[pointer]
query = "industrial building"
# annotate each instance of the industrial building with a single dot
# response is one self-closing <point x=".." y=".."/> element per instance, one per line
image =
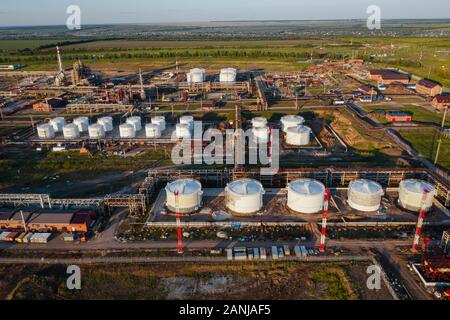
<point x="429" y="87"/>
<point x="387" y="76"/>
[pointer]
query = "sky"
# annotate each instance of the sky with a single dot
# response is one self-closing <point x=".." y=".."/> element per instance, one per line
<point x="53" y="12"/>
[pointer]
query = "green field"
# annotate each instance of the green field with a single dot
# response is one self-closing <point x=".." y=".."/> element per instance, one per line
<point x="425" y="142"/>
<point x="420" y="115"/>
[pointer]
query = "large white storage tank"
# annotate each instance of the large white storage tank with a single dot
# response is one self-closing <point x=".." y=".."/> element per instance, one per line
<point x="189" y="195"/>
<point x="196" y="75"/>
<point x="160" y="121"/>
<point x="291" y="121"/>
<point x="182" y="131"/>
<point x="57" y="124"/>
<point x="365" y="195"/>
<point x="136" y="122"/>
<point x="45" y="131"/>
<point x="127" y="131"/>
<point x="188" y="120"/>
<point x="228" y="75"/>
<point x="96" y="131"/>
<point x="298" y="136"/>
<point x="306" y="196"/>
<point x="82" y="123"/>
<point x="244" y="196"/>
<point x="411" y="194"/>
<point x="259" y="122"/>
<point x="107" y="123"/>
<point x="261" y="134"/>
<point x="70" y="131"/>
<point x="152" y="130"/>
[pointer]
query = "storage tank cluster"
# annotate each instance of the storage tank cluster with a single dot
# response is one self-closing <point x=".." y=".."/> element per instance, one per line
<point x="306" y="196"/>
<point x="260" y="130"/>
<point x="96" y="131"/>
<point x="106" y="123"/>
<point x="244" y="196"/>
<point x="184" y="196"/>
<point x="228" y="75"/>
<point x="196" y="75"/>
<point x="152" y="130"/>
<point x="411" y="194"/>
<point x="70" y="131"/>
<point x="159" y="121"/>
<point x="365" y="195"/>
<point x="45" y="131"/>
<point x="82" y="123"/>
<point x="57" y="124"/>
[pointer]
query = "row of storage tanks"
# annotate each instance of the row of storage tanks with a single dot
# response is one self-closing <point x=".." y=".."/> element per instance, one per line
<point x="297" y="134"/>
<point x="198" y="75"/>
<point x="245" y="196"/>
<point x="99" y="129"/>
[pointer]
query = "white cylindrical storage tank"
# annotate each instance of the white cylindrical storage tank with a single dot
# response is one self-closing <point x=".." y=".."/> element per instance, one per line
<point x="45" y="131"/>
<point x="107" y="123"/>
<point x="259" y="122"/>
<point x="411" y="194"/>
<point x="189" y="120"/>
<point x="182" y="131"/>
<point x="261" y="134"/>
<point x="365" y="195"/>
<point x="291" y="121"/>
<point x="196" y="75"/>
<point x="228" y="75"/>
<point x="160" y="121"/>
<point x="152" y="130"/>
<point x="136" y="122"/>
<point x="244" y="196"/>
<point x="96" y="131"/>
<point x="70" y="131"/>
<point x="298" y="136"/>
<point x="306" y="196"/>
<point x="127" y="131"/>
<point x="57" y="124"/>
<point x="189" y="195"/>
<point x="82" y="123"/>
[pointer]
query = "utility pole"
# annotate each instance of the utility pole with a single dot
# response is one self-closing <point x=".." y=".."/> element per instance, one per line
<point x="440" y="138"/>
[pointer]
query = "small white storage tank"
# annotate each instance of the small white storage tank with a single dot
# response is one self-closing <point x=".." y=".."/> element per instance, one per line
<point x="244" y="196"/>
<point x="160" y="121"/>
<point x="291" y="121"/>
<point x="107" y="123"/>
<point x="306" y="196"/>
<point x="261" y="134"/>
<point x="228" y="75"/>
<point x="136" y="122"/>
<point x="259" y="122"/>
<point x="82" y="123"/>
<point x="298" y="136"/>
<point x="411" y="194"/>
<point x="70" y="131"/>
<point x="57" y="124"/>
<point x="189" y="195"/>
<point x="152" y="130"/>
<point x="182" y="131"/>
<point x="45" y="131"/>
<point x="96" y="131"/>
<point x="196" y="75"/>
<point x="365" y="195"/>
<point x="189" y="120"/>
<point x="127" y="131"/>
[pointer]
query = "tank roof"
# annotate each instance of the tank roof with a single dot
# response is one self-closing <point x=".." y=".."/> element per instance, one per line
<point x="416" y="186"/>
<point x="184" y="186"/>
<point x="307" y="186"/>
<point x="366" y="186"/>
<point x="245" y="187"/>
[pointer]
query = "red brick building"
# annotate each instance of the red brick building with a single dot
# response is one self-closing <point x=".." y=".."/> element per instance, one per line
<point x="440" y="102"/>
<point x="398" y="116"/>
<point x="386" y="76"/>
<point x="429" y="87"/>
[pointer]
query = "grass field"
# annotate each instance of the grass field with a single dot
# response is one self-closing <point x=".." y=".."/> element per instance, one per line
<point x="425" y="142"/>
<point x="199" y="281"/>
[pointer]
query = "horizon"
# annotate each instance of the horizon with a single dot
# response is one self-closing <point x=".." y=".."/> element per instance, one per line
<point x="27" y="13"/>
